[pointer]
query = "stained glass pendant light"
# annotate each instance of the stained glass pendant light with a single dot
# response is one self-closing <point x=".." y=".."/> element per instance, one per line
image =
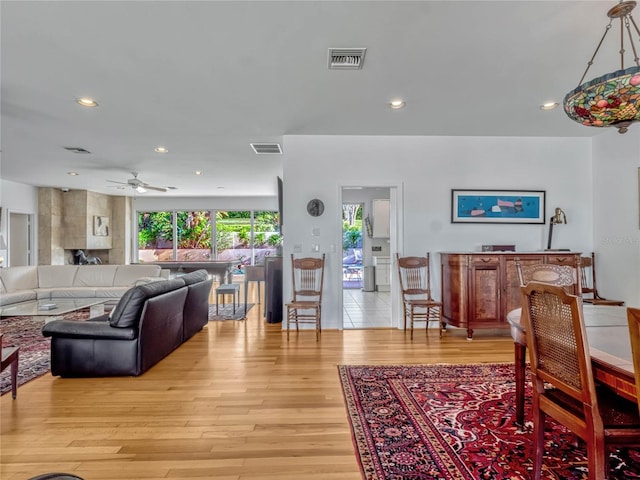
<point x="612" y="100"/>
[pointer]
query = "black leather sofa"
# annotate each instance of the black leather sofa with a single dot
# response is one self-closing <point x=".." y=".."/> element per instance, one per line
<point x="147" y="324"/>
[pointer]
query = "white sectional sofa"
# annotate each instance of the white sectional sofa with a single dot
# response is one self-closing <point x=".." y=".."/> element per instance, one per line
<point x="20" y="284"/>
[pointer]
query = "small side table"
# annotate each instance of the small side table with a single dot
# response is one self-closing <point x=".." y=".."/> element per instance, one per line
<point x="228" y="289"/>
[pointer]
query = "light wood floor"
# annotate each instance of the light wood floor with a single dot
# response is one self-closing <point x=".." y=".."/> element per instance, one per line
<point x="234" y="402"/>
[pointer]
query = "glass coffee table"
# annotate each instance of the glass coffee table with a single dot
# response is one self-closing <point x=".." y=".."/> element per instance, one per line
<point x="53" y="309"/>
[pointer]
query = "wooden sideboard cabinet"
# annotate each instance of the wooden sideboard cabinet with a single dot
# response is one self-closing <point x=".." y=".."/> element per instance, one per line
<point x="480" y="288"/>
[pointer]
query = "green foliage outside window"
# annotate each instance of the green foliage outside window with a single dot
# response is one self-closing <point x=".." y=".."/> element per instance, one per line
<point x="155" y="229"/>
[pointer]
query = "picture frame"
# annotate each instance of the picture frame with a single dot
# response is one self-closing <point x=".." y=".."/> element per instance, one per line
<point x="101" y="226"/>
<point x="498" y="206"/>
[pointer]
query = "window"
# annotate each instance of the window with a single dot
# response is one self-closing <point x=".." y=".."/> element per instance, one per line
<point x="194" y="236"/>
<point x="245" y="237"/>
<point x="155" y="236"/>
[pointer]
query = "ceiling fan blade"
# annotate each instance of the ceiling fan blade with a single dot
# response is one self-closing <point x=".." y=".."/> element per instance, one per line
<point x="157" y="189"/>
<point x="119" y="183"/>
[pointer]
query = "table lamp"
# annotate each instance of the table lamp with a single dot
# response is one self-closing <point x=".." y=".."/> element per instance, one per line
<point x="557" y="218"/>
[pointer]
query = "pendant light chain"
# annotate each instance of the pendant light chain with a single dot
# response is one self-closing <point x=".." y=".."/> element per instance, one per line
<point x="629" y="21"/>
<point x="590" y="62"/>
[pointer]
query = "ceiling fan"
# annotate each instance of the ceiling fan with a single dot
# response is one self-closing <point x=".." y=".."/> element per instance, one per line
<point x="138" y="185"/>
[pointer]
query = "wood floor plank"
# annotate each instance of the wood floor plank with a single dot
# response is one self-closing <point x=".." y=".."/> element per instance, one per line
<point x="236" y="402"/>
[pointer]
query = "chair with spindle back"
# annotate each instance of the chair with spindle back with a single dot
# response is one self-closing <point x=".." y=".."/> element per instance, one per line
<point x="589" y="288"/>
<point x="415" y="286"/>
<point x="308" y="278"/>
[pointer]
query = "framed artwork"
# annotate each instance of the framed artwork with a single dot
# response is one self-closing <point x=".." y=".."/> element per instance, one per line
<point x="100" y="226"/>
<point x="498" y="206"/>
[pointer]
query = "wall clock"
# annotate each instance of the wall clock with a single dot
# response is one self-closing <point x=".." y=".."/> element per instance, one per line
<point x="315" y="207"/>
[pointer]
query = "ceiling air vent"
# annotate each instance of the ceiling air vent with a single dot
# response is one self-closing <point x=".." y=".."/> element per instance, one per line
<point x="261" y="148"/>
<point x="77" y="149"/>
<point x="346" y="58"/>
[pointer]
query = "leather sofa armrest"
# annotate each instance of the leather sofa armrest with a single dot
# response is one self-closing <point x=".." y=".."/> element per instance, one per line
<point x="96" y="328"/>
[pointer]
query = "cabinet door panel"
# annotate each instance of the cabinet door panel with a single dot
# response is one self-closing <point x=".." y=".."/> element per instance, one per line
<point x="455" y="296"/>
<point x="512" y="293"/>
<point x="485" y="293"/>
<point x="381" y="215"/>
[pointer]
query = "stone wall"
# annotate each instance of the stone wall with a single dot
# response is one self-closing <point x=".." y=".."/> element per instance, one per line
<point x="50" y="231"/>
<point x="66" y="224"/>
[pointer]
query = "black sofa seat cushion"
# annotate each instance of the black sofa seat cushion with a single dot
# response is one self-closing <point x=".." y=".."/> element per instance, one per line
<point x="97" y="327"/>
<point x="126" y="313"/>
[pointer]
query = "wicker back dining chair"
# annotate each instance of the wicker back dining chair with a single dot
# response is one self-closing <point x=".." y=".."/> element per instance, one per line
<point x="562" y="275"/>
<point x="563" y="383"/>
<point x="307" y="280"/>
<point x="9" y="357"/>
<point x="633" y="316"/>
<point x="589" y="287"/>
<point x="415" y="286"/>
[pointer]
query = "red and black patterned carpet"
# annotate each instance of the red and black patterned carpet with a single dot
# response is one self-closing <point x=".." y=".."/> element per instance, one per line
<point x="454" y="422"/>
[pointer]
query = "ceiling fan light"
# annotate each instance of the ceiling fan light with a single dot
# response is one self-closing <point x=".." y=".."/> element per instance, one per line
<point x="140" y="189"/>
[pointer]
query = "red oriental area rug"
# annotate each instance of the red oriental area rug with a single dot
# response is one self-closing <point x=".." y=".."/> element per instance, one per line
<point x="26" y="332"/>
<point x="454" y="422"/>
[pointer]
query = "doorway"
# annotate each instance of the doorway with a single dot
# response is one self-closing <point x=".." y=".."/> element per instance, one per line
<point x="366" y="303"/>
<point x="352" y="264"/>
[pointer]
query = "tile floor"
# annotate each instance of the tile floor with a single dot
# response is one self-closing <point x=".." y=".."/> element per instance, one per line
<point x="366" y="309"/>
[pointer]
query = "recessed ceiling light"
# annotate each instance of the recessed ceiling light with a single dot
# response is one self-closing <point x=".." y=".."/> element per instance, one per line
<point x="549" y="106"/>
<point x="87" y="102"/>
<point x="73" y="174"/>
<point x="397" y="104"/>
<point x="197" y="172"/>
<point x="160" y="150"/>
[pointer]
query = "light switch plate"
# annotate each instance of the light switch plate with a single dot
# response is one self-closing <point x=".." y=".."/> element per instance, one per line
<point x="315" y="247"/>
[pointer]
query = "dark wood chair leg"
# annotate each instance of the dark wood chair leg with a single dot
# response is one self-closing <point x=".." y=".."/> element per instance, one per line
<point x="520" y="365"/>
<point x="14" y="378"/>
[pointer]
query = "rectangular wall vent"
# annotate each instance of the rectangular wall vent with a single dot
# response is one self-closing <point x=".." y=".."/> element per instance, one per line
<point x="261" y="148"/>
<point x="77" y="149"/>
<point x="346" y="58"/>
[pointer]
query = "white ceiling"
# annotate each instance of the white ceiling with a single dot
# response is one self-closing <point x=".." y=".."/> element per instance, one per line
<point x="206" y="78"/>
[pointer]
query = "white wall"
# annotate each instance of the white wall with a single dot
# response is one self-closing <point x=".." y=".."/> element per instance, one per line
<point x="141" y="204"/>
<point x="426" y="169"/>
<point x="616" y="186"/>
<point x="19" y="198"/>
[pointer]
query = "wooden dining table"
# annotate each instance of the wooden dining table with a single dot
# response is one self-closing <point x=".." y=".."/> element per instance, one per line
<point x="609" y="345"/>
